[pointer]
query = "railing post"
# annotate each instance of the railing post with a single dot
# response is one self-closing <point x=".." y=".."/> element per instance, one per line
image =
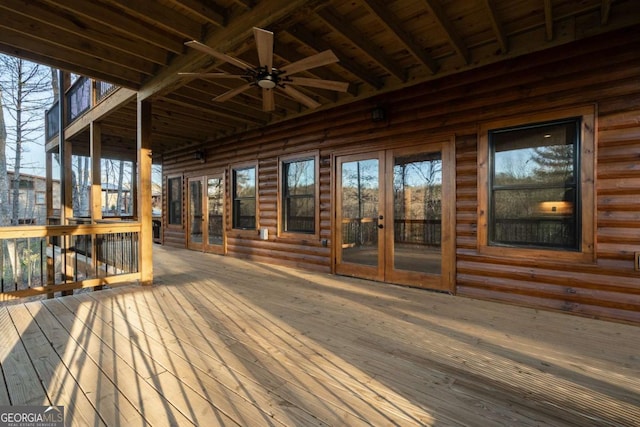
<point x="64" y="147"/>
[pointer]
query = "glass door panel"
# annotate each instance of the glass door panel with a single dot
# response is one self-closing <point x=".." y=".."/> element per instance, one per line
<point x="360" y="227"/>
<point x="360" y="200"/>
<point x="417" y="215"/>
<point x="215" y="211"/>
<point x="196" y="218"/>
<point x="393" y="221"/>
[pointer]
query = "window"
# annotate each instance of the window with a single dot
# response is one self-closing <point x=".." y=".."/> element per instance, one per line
<point x="41" y="197"/>
<point x="244" y="198"/>
<point x="535" y="185"/>
<point x="175" y="200"/>
<point x="298" y="212"/>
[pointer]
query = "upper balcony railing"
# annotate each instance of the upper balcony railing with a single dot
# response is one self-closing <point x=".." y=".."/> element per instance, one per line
<point x="83" y="94"/>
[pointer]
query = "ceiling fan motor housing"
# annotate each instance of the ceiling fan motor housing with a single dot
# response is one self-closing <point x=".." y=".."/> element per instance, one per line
<point x="267" y="80"/>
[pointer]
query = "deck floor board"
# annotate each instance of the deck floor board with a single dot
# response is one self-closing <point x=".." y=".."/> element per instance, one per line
<point x="222" y="341"/>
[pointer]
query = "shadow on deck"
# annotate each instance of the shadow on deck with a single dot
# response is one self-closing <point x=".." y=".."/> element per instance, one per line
<point x="221" y="341"/>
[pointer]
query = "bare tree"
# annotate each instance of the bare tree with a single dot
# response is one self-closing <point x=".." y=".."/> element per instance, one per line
<point x="26" y="92"/>
<point x="4" y="184"/>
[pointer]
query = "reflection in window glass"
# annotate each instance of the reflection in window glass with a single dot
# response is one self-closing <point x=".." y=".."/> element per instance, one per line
<point x="417" y="212"/>
<point x="175" y="200"/>
<point x="360" y="189"/>
<point x="534" y="191"/>
<point x="244" y="198"/>
<point x="299" y="200"/>
<point x="215" y="208"/>
<point x="360" y="197"/>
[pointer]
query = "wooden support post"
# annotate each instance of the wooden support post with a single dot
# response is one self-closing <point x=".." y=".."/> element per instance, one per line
<point x="95" y="150"/>
<point x="134" y="191"/>
<point x="145" y="240"/>
<point x="66" y="196"/>
<point x="49" y="185"/>
<point x="96" y="173"/>
<point x="49" y="202"/>
<point x="66" y="211"/>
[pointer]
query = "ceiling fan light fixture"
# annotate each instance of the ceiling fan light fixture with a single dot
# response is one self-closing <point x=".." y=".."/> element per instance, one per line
<point x="266" y="79"/>
<point x="267" y="82"/>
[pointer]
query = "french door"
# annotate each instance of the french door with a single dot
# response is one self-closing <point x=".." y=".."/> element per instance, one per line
<point x="395" y="216"/>
<point x="205" y="220"/>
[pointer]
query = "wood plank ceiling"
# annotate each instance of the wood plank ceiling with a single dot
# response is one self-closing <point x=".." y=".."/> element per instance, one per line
<point x="382" y="45"/>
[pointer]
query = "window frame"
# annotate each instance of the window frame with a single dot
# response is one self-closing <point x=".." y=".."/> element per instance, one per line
<point x="41" y="198"/>
<point x="232" y="198"/>
<point x="180" y="200"/>
<point x="586" y="205"/>
<point x="310" y="155"/>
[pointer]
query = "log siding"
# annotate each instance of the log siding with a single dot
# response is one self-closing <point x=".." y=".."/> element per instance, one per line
<point x="603" y="72"/>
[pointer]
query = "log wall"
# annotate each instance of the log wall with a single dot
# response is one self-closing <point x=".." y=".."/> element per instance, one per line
<point x="604" y="72"/>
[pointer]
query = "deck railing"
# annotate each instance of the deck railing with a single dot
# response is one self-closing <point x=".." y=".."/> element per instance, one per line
<point x="37" y="260"/>
<point x="364" y="231"/>
<point x="104" y="89"/>
<point x="80" y="97"/>
<point x="535" y="231"/>
<point x="52" y="121"/>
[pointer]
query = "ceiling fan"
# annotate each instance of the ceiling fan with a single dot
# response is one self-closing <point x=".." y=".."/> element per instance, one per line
<point x="267" y="77"/>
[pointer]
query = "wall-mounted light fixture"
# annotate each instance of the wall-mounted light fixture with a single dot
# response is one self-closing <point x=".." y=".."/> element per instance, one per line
<point x="378" y="114"/>
<point x="199" y="155"/>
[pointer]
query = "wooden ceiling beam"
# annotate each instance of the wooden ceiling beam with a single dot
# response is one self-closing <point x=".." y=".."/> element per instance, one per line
<point x="83" y="29"/>
<point x="496" y="24"/>
<point x="219" y="110"/>
<point x="166" y="18"/>
<point x="225" y="39"/>
<point x="72" y="43"/>
<point x="605" y="11"/>
<point x="389" y="20"/>
<point x="548" y="19"/>
<point x="340" y="26"/>
<point x="246" y="4"/>
<point x="207" y="11"/>
<point x="304" y="36"/>
<point x="188" y="119"/>
<point x="435" y="9"/>
<point x="59" y="57"/>
<point x="120" y="23"/>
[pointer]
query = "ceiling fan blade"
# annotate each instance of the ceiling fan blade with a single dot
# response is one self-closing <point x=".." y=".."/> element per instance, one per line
<point x="317" y="60"/>
<point x="268" y="100"/>
<point x="264" y="44"/>
<point x="320" y="84"/>
<point x="300" y="97"/>
<point x="219" y="55"/>
<point x="233" y="92"/>
<point x="212" y="75"/>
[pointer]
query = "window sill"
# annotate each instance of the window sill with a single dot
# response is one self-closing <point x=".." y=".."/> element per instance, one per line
<point x="583" y="257"/>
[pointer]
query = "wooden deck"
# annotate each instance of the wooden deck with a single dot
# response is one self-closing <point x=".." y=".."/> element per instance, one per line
<point x="220" y="341"/>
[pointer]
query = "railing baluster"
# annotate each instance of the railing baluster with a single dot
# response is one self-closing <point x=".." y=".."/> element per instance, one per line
<point x="2" y="243"/>
<point x="14" y="267"/>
